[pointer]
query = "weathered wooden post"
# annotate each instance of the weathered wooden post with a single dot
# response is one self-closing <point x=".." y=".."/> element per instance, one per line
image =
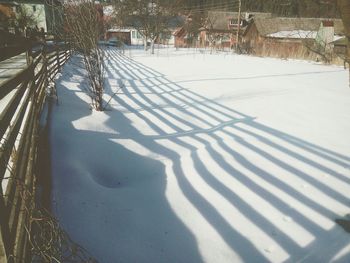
<point x="58" y="58"/>
<point x="4" y="232"/>
<point x="29" y="54"/>
<point x="44" y="58"/>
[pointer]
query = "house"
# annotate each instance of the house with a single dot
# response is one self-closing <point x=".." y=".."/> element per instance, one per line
<point x="180" y="37"/>
<point x="129" y="36"/>
<point x="132" y="36"/>
<point x="220" y="28"/>
<point x="45" y="13"/>
<point x="186" y="33"/>
<point x="168" y="36"/>
<point x="289" y="37"/>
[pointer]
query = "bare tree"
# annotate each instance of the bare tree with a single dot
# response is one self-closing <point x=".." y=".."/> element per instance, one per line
<point x="24" y="18"/>
<point x="84" y="28"/>
<point x="319" y="43"/>
<point x="194" y="21"/>
<point x="212" y="35"/>
<point x="151" y="18"/>
<point x="344" y="8"/>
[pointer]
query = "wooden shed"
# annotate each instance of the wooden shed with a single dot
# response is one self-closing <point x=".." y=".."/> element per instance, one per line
<point x="285" y="37"/>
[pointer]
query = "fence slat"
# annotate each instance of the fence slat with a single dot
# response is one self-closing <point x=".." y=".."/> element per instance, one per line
<point x="8" y="112"/>
<point x="7" y="86"/>
<point x="19" y="128"/>
<point x="9" y="140"/>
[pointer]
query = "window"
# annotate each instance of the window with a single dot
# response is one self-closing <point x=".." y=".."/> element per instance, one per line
<point x="133" y="34"/>
<point x="34" y="8"/>
<point x="233" y="22"/>
<point x="138" y="35"/>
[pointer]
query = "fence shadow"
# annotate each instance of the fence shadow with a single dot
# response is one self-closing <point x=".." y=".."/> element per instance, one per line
<point x="259" y="190"/>
<point x="111" y="200"/>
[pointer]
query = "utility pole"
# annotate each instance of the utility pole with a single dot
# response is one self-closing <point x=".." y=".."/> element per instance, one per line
<point x="238" y="25"/>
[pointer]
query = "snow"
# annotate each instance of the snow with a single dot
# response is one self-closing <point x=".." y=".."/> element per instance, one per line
<point x="205" y="158"/>
<point x="294" y="34"/>
<point x="337" y="37"/>
<point x="108" y="10"/>
<point x="122" y="30"/>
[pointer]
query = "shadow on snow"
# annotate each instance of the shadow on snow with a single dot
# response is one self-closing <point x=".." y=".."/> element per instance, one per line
<point x="156" y="229"/>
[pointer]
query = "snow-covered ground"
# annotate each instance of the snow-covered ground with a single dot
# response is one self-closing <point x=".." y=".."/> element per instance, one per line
<point x="205" y="158"/>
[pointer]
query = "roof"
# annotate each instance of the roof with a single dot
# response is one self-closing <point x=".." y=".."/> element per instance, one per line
<point x="219" y="19"/>
<point x="270" y="26"/>
<point x="294" y="34"/>
<point x="119" y="30"/>
<point x="341" y="42"/>
<point x="178" y="31"/>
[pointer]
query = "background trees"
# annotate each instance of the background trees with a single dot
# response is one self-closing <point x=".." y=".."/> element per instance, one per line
<point x="22" y="19"/>
<point x="344" y="7"/>
<point x="6" y="16"/>
<point x="294" y="8"/>
<point x="150" y="18"/>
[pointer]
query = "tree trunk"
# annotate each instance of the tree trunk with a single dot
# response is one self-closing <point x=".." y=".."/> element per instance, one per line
<point x="145" y="44"/>
<point x="152" y="46"/>
<point x="344" y="7"/>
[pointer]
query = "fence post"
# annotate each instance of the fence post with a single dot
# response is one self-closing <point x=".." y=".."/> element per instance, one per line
<point x="28" y="55"/>
<point x="58" y="58"/>
<point x="4" y="232"/>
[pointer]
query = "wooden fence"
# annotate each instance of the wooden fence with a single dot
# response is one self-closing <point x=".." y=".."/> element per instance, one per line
<point x="22" y="99"/>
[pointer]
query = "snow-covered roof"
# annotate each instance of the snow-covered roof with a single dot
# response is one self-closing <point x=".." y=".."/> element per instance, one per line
<point x="108" y="10"/>
<point x="269" y="26"/>
<point x="340" y="41"/>
<point x="119" y="30"/>
<point x="337" y="37"/>
<point x="294" y="34"/>
<point x="298" y="34"/>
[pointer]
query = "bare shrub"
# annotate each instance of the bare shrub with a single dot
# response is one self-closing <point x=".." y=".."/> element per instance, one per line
<point x="84" y="27"/>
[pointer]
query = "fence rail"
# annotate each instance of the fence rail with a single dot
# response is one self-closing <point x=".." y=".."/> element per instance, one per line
<point x="22" y="98"/>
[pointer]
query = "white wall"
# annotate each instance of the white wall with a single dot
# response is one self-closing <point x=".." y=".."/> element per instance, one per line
<point x="136" y="38"/>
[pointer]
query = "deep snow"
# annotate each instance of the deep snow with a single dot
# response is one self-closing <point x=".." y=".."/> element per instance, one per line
<point x="205" y="158"/>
